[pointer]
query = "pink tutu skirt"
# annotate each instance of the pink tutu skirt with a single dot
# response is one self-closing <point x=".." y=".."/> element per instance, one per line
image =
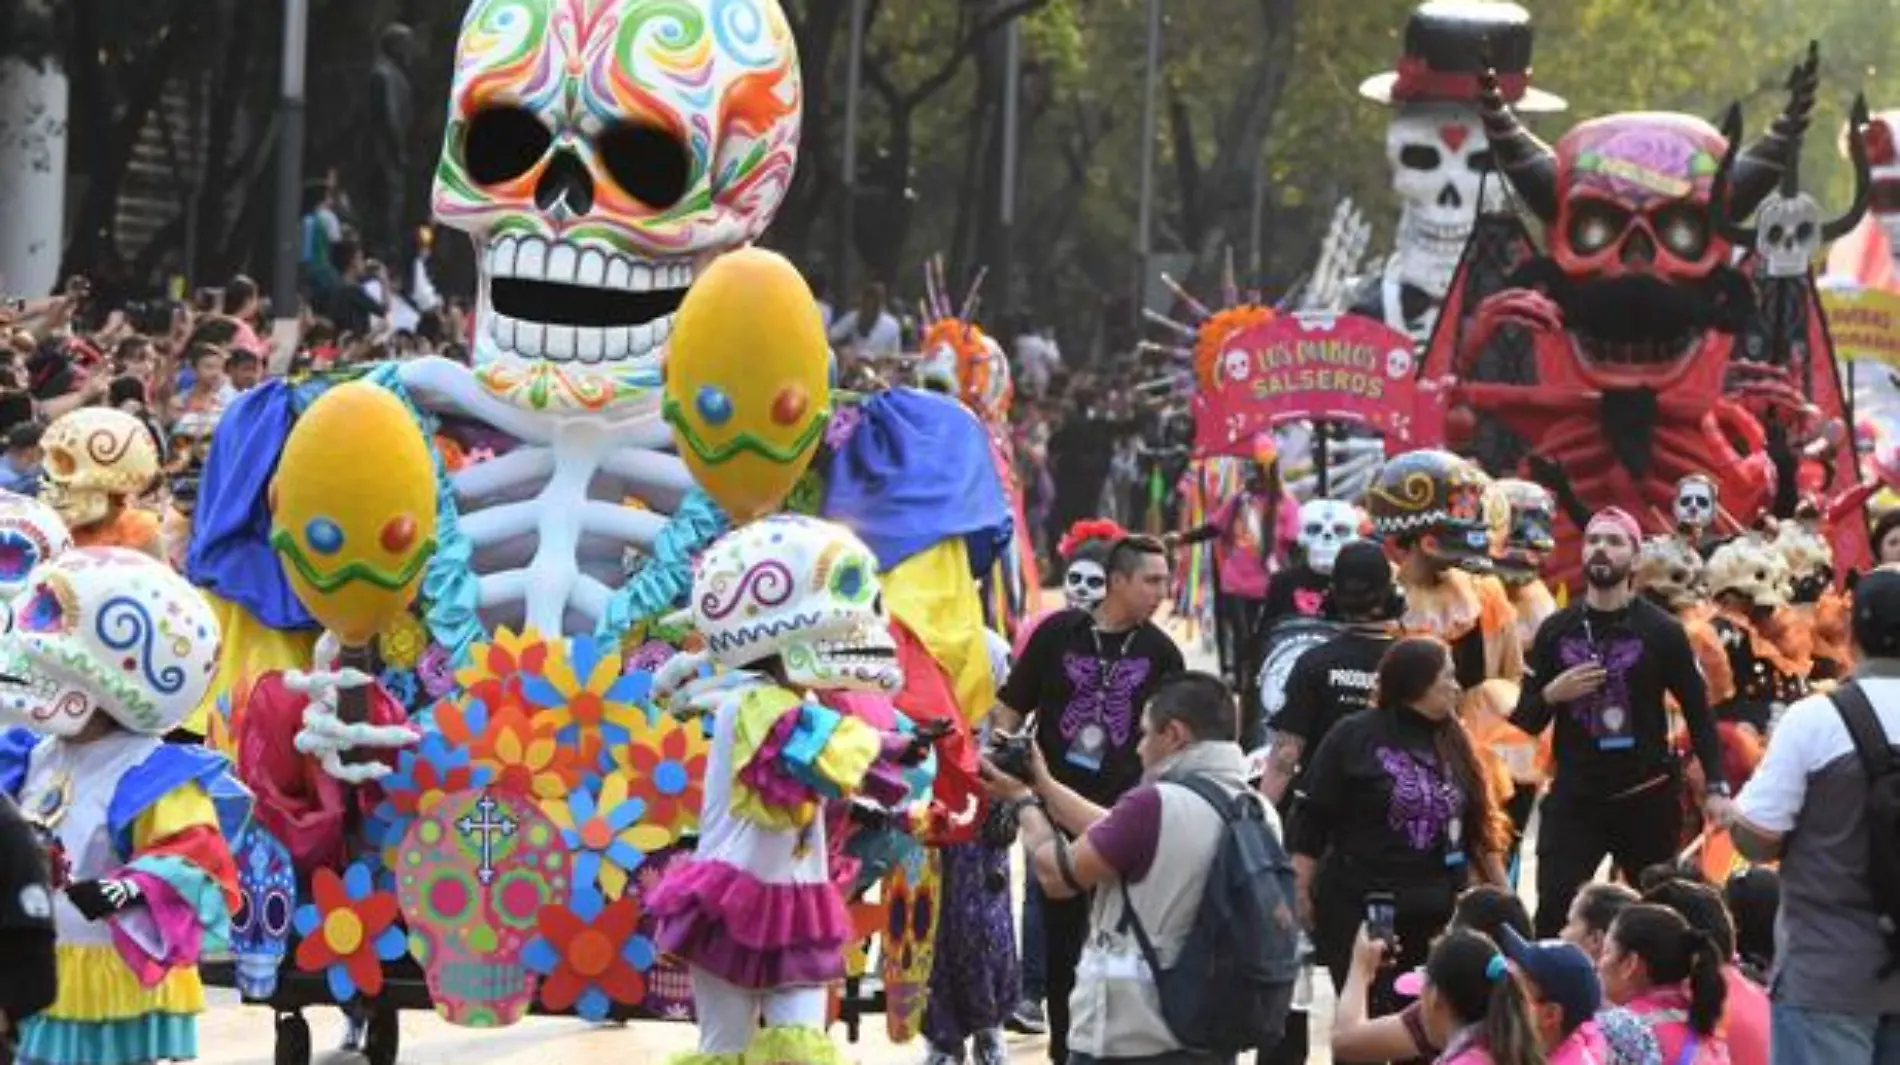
<point x="748" y="932"/>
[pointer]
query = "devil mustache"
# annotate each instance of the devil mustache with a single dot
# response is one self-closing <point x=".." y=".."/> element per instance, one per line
<point x="1639" y="307"/>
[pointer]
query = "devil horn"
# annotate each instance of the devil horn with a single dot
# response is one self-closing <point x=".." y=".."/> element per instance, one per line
<point x="1528" y="163"/>
<point x="1725" y="223"/>
<point x="1857" y="120"/>
<point x="1759" y="167"/>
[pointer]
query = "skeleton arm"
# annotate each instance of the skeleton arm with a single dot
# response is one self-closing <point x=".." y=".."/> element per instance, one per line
<point x="325" y="735"/>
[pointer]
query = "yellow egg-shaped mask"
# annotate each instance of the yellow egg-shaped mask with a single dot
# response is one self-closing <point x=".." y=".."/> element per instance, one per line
<point x="748" y="393"/>
<point x="353" y="510"/>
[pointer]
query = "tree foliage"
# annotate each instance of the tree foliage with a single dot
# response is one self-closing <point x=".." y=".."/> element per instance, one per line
<point x="1253" y="92"/>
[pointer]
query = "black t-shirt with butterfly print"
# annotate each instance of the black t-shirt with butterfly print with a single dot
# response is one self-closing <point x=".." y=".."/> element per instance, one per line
<point x="1087" y="689"/>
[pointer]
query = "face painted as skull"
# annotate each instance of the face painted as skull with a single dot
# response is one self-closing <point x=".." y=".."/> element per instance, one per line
<point x="600" y="152"/>
<point x="1085" y="583"/>
<point x="1694" y="508"/>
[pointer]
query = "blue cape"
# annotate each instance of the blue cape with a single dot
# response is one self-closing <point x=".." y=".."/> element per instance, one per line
<point x="230" y="530"/>
<point x="916" y="471"/>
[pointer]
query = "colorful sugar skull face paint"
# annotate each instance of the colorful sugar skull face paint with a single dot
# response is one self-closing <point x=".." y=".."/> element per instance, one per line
<point x="600" y="152"/>
<point x="104" y="629"/>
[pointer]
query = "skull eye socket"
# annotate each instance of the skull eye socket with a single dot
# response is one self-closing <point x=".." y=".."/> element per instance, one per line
<point x="1683" y="230"/>
<point x="245" y="915"/>
<point x="1312" y="528"/>
<point x="503" y="143"/>
<point x="1420" y="157"/>
<point x="1679" y="576"/>
<point x="276" y="915"/>
<point x="1596" y="226"/>
<point x="1776" y="233"/>
<point x="648" y="162"/>
<point x="1804" y="232"/>
<point x="1480" y="161"/>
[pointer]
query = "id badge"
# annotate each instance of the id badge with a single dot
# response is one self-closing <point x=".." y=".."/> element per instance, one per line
<point x="1613" y="729"/>
<point x="1454" y="843"/>
<point x="1089" y="750"/>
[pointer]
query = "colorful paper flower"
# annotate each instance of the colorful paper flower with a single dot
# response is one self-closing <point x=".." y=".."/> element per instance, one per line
<point x="433" y="768"/>
<point x="436" y="670"/>
<point x="348" y="932"/>
<point x="602" y="827"/>
<point x="666" y="759"/>
<point x="524" y="756"/>
<point x="584" y="690"/>
<point x="494" y="670"/>
<point x="402" y="643"/>
<point x="590" y="955"/>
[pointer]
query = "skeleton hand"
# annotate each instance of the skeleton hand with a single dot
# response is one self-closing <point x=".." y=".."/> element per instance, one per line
<point x="325" y="735"/>
<point x="1521" y="307"/>
<point x="97" y="900"/>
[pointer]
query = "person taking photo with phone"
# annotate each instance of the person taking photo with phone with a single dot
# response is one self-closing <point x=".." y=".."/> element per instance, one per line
<point x="1395" y="820"/>
<point x="1600" y="668"/>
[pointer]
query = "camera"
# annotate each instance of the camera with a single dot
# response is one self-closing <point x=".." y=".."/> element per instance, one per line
<point x="1012" y="754"/>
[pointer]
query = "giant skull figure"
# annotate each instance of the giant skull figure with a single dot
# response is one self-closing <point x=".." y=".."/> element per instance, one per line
<point x="1435" y="144"/>
<point x="600" y="153"/>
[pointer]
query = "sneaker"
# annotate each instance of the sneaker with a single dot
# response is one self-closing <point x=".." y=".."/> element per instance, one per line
<point x="1028" y="1019"/>
<point x="989" y="1047"/>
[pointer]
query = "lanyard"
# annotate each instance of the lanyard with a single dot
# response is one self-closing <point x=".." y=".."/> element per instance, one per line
<point x="1106" y="665"/>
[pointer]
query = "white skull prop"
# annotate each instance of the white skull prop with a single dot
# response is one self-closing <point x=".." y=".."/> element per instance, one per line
<point x="472" y="876"/>
<point x="1439" y="158"/>
<point x="802" y="589"/>
<point x="31" y="535"/>
<point x="94" y="455"/>
<point x="1788" y="234"/>
<point x="1694" y="507"/>
<point x="1751" y="568"/>
<point x="599" y="152"/>
<point x="1085" y="583"/>
<point x="1326" y="525"/>
<point x="104" y="629"/>
<point x="1668" y="569"/>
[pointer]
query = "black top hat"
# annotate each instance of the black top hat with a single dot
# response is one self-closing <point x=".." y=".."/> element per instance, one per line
<point x="1446" y="45"/>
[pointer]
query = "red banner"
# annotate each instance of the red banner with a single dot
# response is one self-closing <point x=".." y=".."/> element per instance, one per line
<point x="1332" y="367"/>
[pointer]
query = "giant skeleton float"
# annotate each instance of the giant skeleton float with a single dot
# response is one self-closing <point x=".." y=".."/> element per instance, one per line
<point x="466" y="791"/>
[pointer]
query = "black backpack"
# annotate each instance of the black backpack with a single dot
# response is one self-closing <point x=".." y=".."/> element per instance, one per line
<point x="1882" y="768"/>
<point x="1232" y="985"/>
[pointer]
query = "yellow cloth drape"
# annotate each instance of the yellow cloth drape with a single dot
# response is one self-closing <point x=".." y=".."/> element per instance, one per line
<point x="249" y="650"/>
<point x="95" y="985"/>
<point x="933" y="594"/>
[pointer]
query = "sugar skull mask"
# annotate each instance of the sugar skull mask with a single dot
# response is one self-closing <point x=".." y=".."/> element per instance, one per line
<point x="262" y="924"/>
<point x="1325" y="526"/>
<point x="104" y="629"/>
<point x="95" y="455"/>
<point x="804" y="590"/>
<point x="599" y="153"/>
<point x="1439" y="502"/>
<point x="30" y="535"/>
<point x="1669" y="571"/>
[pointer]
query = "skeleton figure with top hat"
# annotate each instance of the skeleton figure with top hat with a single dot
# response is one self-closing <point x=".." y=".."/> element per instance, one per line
<point x="1441" y="163"/>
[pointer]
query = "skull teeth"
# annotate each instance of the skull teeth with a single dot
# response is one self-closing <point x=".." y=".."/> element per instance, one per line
<point x="571" y="343"/>
<point x="535" y="259"/>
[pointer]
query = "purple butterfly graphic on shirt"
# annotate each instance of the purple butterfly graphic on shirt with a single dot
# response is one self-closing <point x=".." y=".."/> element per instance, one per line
<point x="1422" y="806"/>
<point x="1090" y="703"/>
<point x="1618" y="654"/>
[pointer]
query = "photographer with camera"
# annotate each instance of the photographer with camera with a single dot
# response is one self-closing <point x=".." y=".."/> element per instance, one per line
<point x="1085" y="676"/>
<point x="1137" y="870"/>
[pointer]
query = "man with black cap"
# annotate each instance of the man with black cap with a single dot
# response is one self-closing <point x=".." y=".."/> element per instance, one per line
<point x="1336" y="678"/>
<point x="1600" y="668"/>
<point x="1836" y="985"/>
<point x="28" y="979"/>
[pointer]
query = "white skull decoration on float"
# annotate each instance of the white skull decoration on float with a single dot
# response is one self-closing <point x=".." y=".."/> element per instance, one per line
<point x="600" y="153"/>
<point x="30" y="534"/>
